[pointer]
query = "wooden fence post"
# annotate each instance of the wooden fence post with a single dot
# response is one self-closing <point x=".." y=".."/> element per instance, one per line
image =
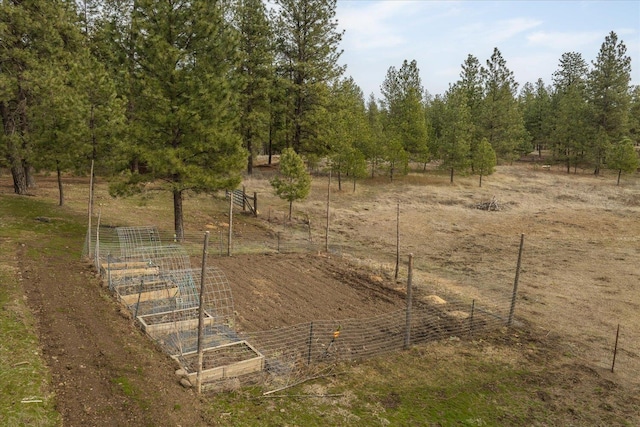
<point x="244" y="198"/>
<point x="255" y="204"/>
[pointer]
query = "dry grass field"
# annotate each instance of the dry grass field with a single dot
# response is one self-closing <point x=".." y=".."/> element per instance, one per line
<point x="580" y="273"/>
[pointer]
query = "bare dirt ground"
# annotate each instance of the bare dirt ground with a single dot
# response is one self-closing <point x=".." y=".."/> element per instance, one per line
<point x="580" y="273"/>
<point x="579" y="280"/>
<point x="272" y="291"/>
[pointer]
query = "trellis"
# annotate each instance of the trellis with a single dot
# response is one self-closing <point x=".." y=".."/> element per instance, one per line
<point x="171" y="301"/>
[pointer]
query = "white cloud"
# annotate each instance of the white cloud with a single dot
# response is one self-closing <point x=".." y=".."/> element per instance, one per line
<point x="564" y="41"/>
<point x="494" y="33"/>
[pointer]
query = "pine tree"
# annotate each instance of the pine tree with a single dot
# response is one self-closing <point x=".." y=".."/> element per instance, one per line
<point x="454" y="145"/>
<point x="372" y="145"/>
<point x="484" y="159"/>
<point x="634" y="115"/>
<point x="502" y="122"/>
<point x="38" y="39"/>
<point x="623" y="158"/>
<point x="471" y="84"/>
<point x="405" y="116"/>
<point x="570" y="110"/>
<point x="307" y="56"/>
<point x="255" y="73"/>
<point x="535" y="102"/>
<point x="184" y="129"/>
<point x="293" y="181"/>
<point x="608" y="88"/>
<point x="346" y="113"/>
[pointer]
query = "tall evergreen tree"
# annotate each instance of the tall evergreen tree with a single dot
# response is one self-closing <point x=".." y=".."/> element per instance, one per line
<point x="623" y="158"/>
<point x="471" y="84"/>
<point x="373" y="146"/>
<point x="454" y="145"/>
<point x="293" y="182"/>
<point x="484" y="160"/>
<point x="634" y="115"/>
<point x="405" y="116"/>
<point x="255" y="73"/>
<point x="608" y="88"/>
<point x="38" y="39"/>
<point x="185" y="110"/>
<point x="348" y="128"/>
<point x="535" y="101"/>
<point x="307" y="53"/>
<point x="502" y="122"/>
<point x="570" y="110"/>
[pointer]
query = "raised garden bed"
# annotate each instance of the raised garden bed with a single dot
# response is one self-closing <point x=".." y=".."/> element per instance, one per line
<point x="119" y="269"/>
<point x="224" y="361"/>
<point x="177" y="320"/>
<point x="147" y="291"/>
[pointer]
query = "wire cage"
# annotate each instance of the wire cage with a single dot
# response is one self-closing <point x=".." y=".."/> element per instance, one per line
<point x="132" y="238"/>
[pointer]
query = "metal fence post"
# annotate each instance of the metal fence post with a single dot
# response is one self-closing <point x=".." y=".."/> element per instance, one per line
<point x="515" y="283"/>
<point x="407" y="332"/>
<point x="310" y="342"/>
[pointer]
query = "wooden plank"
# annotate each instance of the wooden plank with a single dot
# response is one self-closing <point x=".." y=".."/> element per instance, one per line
<point x="157" y="294"/>
<point x="179" y="325"/>
<point x="149" y="271"/>
<point x="242" y="367"/>
<point x="123" y="265"/>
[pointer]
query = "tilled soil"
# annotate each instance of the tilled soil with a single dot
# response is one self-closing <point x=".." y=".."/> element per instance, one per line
<point x="105" y="372"/>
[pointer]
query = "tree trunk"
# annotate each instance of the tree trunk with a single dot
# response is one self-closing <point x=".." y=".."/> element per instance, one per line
<point x="250" y="158"/>
<point x="10" y="129"/>
<point x="19" y="177"/>
<point x="60" y="190"/>
<point x="178" y="218"/>
<point x="354" y="183"/>
<point x="619" y="173"/>
<point x="339" y="180"/>
<point x="451" y="179"/>
<point x="290" y="208"/>
<point x="480" y="180"/>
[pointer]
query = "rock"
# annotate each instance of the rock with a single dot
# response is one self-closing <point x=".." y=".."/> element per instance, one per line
<point x="181" y="373"/>
<point x="185" y="383"/>
<point x="434" y="299"/>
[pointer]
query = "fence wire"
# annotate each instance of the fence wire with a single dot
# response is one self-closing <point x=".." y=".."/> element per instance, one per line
<point x="287" y="350"/>
<point x="150" y="272"/>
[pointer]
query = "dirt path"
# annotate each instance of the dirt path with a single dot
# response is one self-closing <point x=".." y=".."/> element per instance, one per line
<point x="105" y="372"/>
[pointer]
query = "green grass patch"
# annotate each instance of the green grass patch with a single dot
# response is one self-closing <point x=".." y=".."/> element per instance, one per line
<point x="24" y="396"/>
<point x="129" y="389"/>
<point x="405" y="388"/>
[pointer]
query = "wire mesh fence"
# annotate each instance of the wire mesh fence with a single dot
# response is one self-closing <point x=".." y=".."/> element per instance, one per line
<point x="150" y="272"/>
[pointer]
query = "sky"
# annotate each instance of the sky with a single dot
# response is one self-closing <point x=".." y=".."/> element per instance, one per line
<point x="439" y="35"/>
